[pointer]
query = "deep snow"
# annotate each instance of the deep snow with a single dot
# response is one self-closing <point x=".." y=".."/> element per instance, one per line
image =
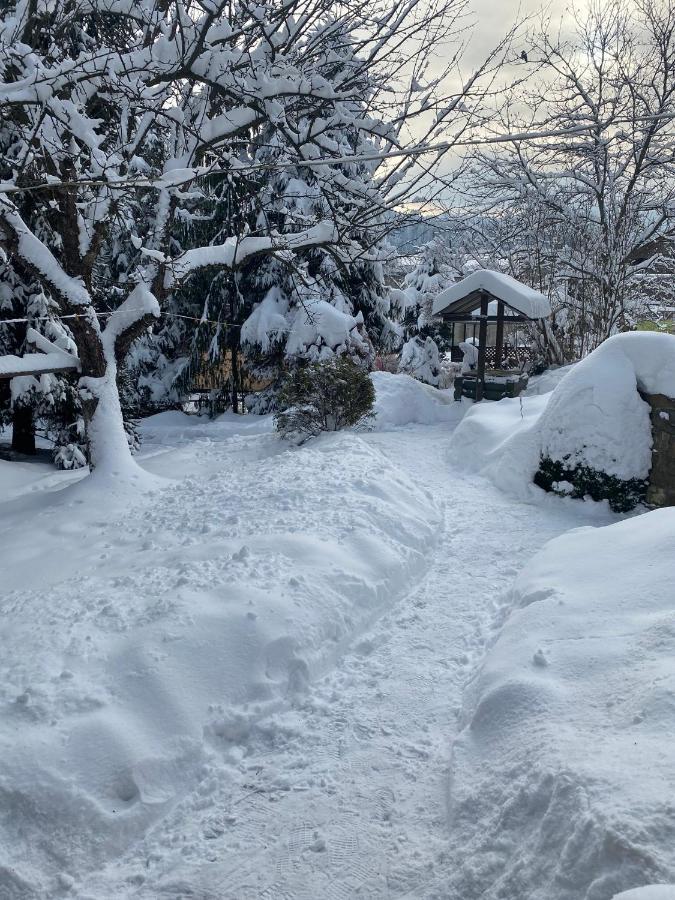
<point x="562" y="779"/>
<point x="594" y="416"/>
<point x="247" y="682"/>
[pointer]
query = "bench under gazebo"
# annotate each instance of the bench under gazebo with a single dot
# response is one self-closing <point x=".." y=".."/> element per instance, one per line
<point x="488" y="302"/>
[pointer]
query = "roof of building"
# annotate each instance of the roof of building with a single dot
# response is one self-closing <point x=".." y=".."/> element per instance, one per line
<point x="463" y="297"/>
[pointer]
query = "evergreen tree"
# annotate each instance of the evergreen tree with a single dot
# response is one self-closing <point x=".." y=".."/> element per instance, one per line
<point x="319" y="303"/>
<point x="424" y="339"/>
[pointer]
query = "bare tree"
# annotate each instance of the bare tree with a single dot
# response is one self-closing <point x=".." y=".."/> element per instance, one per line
<point x="583" y="213"/>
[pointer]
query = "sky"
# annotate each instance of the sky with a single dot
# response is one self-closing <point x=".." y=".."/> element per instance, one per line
<point x="492" y="20"/>
<point x="495" y="17"/>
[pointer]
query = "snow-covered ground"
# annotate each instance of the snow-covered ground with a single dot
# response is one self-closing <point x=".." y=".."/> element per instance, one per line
<point x="248" y="681"/>
<point x="562" y="779"/>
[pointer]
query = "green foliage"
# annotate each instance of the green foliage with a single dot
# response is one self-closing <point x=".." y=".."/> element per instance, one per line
<point x="581" y="481"/>
<point x="324" y="396"/>
<point x="648" y="325"/>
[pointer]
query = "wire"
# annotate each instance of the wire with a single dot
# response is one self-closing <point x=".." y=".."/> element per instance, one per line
<point x="102" y="315"/>
<point x="190" y="174"/>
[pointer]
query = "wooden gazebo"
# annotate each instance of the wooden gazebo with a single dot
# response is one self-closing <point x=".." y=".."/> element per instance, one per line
<point x="485" y="297"/>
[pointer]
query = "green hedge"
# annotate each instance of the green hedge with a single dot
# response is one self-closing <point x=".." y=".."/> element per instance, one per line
<point x="622" y="494"/>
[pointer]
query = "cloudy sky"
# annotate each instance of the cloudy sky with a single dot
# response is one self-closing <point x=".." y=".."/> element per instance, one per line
<point x="492" y="20"/>
<point x="495" y="17"/>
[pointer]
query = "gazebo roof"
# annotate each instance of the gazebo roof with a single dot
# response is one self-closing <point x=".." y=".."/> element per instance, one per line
<point x="463" y="298"/>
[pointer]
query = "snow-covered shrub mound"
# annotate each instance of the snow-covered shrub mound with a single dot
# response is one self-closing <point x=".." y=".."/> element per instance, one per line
<point x="563" y="777"/>
<point x="591" y="435"/>
<point x="137" y="643"/>
<point x="402" y="400"/>
<point x="419" y="358"/>
<point x="325" y="396"/>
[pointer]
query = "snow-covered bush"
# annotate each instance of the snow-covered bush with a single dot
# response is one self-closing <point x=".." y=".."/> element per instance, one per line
<point x="623" y="494"/>
<point x="69" y="456"/>
<point x="596" y="431"/>
<point x="420" y="359"/>
<point x="590" y="437"/>
<point x="324" y="396"/>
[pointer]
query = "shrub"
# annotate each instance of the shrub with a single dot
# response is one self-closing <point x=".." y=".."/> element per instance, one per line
<point x="325" y="396"/>
<point x="580" y="481"/>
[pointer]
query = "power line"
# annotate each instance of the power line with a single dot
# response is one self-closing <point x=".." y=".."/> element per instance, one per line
<point x="102" y="315"/>
<point x="183" y="176"/>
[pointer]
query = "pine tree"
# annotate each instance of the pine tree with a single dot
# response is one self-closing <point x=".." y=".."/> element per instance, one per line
<point x="318" y="304"/>
<point x="424" y="339"/>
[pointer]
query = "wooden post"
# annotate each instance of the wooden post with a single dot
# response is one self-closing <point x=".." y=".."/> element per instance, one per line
<point x="499" y="340"/>
<point x="482" y="341"/>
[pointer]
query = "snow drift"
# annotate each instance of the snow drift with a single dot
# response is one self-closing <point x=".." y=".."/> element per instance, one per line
<point x="148" y="637"/>
<point x="649" y="892"/>
<point x="594" y="417"/>
<point x="562" y="779"/>
<point x="402" y="400"/>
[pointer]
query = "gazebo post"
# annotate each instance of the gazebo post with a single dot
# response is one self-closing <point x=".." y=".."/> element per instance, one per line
<point x="482" y="341"/>
<point x="499" y="339"/>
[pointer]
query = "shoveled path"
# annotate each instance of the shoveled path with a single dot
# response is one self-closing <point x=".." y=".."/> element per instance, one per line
<point x="345" y="791"/>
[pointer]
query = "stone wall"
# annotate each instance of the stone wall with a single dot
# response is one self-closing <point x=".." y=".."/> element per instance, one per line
<point x="661" y="490"/>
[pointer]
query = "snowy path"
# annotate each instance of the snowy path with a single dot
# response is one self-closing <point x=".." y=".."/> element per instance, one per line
<point x="342" y="792"/>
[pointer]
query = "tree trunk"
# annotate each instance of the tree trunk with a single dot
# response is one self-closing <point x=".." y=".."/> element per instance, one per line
<point x="23" y="433"/>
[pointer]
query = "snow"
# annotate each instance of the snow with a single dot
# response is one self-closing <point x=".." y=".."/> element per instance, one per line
<point x="140" y="302"/>
<point x="33" y="250"/>
<point x="36" y="364"/>
<point x="518" y="296"/>
<point x="245" y="682"/>
<point x="562" y="777"/>
<point x="420" y="359"/>
<point x="547" y="381"/>
<point x="195" y="613"/>
<point x="650" y="892"/>
<point x="470" y="352"/>
<point x="402" y="400"/>
<point x="235" y="250"/>
<point x="267" y="323"/>
<point x="594" y="416"/>
<point x="500" y="442"/>
<point x="318" y="330"/>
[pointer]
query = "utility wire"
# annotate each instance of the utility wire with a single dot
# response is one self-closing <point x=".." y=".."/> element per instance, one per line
<point x="100" y="315"/>
<point x="189" y="174"/>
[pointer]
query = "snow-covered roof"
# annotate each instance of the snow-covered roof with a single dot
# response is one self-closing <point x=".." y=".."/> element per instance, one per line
<point x="520" y="297"/>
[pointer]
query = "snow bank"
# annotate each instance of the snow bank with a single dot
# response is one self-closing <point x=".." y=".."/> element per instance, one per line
<point x="19" y="478"/>
<point x="650" y="892"/>
<point x="547" y="381"/>
<point x="500" y="441"/>
<point x="562" y="779"/>
<point x="594" y="417"/>
<point x="402" y="400"/>
<point x="146" y="640"/>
